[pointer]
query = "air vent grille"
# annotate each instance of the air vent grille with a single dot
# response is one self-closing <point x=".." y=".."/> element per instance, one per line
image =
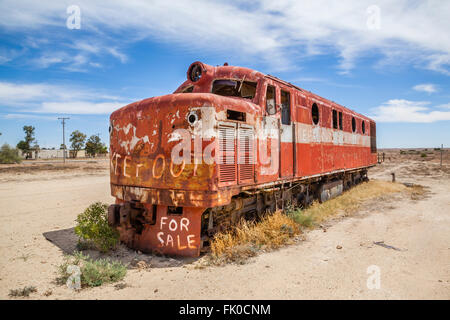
<point x="246" y="154"/>
<point x="227" y="163"/>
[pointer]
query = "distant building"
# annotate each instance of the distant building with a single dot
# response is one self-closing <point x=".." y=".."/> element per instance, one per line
<point x="55" y="154"/>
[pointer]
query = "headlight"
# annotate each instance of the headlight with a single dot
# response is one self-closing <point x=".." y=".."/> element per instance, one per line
<point x="192" y="117"/>
<point x="196" y="71"/>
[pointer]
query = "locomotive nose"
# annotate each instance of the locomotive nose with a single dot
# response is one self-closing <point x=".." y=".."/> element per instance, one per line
<point x="144" y="134"/>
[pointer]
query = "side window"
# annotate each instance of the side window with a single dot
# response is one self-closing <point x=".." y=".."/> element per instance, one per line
<point x="363" y="127"/>
<point x="353" y="124"/>
<point x="285" y="107"/>
<point x="335" y="119"/>
<point x="340" y="121"/>
<point x="315" y="114"/>
<point x="270" y="100"/>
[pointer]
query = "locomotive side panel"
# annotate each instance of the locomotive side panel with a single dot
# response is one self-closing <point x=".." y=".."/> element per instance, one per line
<point x="322" y="148"/>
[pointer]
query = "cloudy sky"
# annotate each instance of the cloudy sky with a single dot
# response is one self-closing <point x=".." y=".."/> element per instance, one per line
<point x="389" y="60"/>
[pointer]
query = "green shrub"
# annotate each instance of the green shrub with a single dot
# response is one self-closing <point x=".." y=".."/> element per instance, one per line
<point x="25" y="292"/>
<point x="94" y="273"/>
<point x="9" y="154"/>
<point x="300" y="217"/>
<point x="93" y="227"/>
<point x="423" y="155"/>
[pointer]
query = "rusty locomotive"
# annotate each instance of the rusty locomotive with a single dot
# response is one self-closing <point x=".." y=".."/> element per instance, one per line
<point x="229" y="143"/>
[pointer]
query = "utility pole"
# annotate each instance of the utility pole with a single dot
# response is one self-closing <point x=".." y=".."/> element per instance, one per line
<point x="64" y="137"/>
<point x="442" y="150"/>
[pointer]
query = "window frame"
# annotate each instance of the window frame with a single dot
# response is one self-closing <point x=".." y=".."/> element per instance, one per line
<point x="289" y="106"/>
<point x="334" y="119"/>
<point x="312" y="114"/>
<point x="238" y="81"/>
<point x="274" y="99"/>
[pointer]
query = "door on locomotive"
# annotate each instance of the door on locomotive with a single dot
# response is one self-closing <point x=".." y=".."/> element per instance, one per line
<point x="279" y="117"/>
<point x="271" y="130"/>
<point x="286" y="135"/>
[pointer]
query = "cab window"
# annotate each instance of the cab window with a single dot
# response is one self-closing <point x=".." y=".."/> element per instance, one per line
<point x="270" y="100"/>
<point x="285" y="107"/>
<point x="234" y="88"/>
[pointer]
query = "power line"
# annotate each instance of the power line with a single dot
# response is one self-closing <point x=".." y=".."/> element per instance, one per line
<point x="64" y="137"/>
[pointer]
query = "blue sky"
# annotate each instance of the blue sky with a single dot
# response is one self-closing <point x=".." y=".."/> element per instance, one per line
<point x="388" y="60"/>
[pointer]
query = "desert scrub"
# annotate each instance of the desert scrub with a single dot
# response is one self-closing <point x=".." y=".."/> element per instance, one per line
<point x="92" y="227"/>
<point x="300" y="217"/>
<point x="244" y="241"/>
<point x="25" y="292"/>
<point x="94" y="273"/>
<point x="9" y="155"/>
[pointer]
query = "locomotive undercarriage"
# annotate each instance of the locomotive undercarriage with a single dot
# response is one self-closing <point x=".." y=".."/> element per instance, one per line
<point x="131" y="217"/>
<point x="254" y="204"/>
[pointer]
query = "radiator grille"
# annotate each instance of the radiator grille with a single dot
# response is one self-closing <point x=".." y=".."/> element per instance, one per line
<point x="245" y="154"/>
<point x="227" y="163"/>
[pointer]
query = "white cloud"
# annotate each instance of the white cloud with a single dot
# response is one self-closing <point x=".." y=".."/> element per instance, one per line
<point x="48" y="98"/>
<point x="399" y="110"/>
<point x="277" y="32"/>
<point x="81" y="107"/>
<point x="439" y="63"/>
<point x="425" y="87"/>
<point x="119" y="55"/>
<point x="78" y="58"/>
<point x="14" y="116"/>
<point x="47" y="60"/>
<point x="444" y="106"/>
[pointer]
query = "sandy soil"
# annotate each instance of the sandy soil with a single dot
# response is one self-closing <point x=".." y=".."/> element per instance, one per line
<point x="413" y="258"/>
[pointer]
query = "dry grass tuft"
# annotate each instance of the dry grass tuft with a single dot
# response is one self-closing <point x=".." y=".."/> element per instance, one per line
<point x="243" y="242"/>
<point x="23" y="292"/>
<point x="418" y="192"/>
<point x="352" y="199"/>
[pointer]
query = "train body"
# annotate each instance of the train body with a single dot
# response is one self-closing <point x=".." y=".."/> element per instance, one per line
<point x="229" y="143"/>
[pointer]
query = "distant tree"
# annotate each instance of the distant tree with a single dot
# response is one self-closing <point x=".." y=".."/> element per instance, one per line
<point x="62" y="146"/>
<point x="94" y="146"/>
<point x="25" y="145"/>
<point x="104" y="150"/>
<point x="9" y="154"/>
<point x="77" y="139"/>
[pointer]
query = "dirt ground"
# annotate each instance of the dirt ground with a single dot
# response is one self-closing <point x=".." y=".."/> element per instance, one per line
<point x="39" y="202"/>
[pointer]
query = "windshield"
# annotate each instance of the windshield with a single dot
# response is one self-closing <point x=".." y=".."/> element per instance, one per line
<point x="235" y="88"/>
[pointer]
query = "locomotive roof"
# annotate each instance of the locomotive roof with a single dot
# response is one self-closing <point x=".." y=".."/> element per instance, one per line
<point x="236" y="72"/>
